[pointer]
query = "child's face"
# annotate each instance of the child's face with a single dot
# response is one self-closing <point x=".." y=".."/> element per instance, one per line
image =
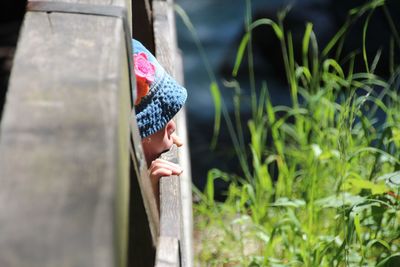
<point x="160" y="142"/>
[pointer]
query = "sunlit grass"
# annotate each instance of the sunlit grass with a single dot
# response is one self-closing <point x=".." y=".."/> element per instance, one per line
<point x="320" y="178"/>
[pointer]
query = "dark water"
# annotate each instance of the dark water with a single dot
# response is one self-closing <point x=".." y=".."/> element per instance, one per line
<point x="220" y="26"/>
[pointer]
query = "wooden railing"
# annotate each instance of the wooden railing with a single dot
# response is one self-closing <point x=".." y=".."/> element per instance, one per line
<point x="74" y="184"/>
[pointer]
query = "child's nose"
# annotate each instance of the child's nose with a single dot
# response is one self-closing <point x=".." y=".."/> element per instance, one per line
<point x="176" y="140"/>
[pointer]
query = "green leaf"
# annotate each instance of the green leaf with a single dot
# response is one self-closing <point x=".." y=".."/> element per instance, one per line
<point x="356" y="185"/>
<point x="270" y="112"/>
<point x="216" y="95"/>
<point x="337" y="201"/>
<point x="306" y="42"/>
<point x="335" y="65"/>
<point x="303" y="71"/>
<point x="396" y="136"/>
<point x="240" y="53"/>
<point x="212" y="175"/>
<point x="357" y="226"/>
<point x="387" y="259"/>
<point x="285" y="202"/>
<point x="378" y="241"/>
<point x="364" y="49"/>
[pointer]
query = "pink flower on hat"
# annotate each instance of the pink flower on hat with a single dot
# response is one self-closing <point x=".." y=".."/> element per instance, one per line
<point x="145" y="72"/>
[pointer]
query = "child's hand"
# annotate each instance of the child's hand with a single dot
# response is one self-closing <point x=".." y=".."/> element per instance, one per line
<point x="161" y="167"/>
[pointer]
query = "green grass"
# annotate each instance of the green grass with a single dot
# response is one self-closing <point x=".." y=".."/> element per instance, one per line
<point x="334" y="199"/>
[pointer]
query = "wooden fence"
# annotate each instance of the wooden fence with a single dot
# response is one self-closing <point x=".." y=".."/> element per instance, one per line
<point x="74" y="188"/>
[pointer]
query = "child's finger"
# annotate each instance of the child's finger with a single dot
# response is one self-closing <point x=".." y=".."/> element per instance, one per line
<point x="160" y="163"/>
<point x="161" y="172"/>
<point x="172" y="170"/>
<point x="166" y="164"/>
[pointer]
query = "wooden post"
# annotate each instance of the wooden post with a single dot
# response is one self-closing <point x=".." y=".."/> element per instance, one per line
<point x="169" y="56"/>
<point x="168" y="252"/>
<point x="64" y="139"/>
<point x="144" y="221"/>
<point x="168" y="248"/>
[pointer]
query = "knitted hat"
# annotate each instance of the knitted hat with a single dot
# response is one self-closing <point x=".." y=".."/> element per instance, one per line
<point x="159" y="97"/>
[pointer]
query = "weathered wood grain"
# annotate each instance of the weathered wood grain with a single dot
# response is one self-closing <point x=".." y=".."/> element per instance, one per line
<point x="140" y="165"/>
<point x="122" y="3"/>
<point x="185" y="179"/>
<point x="64" y="161"/>
<point x="168" y="252"/>
<point x="170" y="220"/>
<point x="169" y="56"/>
<point x="164" y="35"/>
<point x="170" y="209"/>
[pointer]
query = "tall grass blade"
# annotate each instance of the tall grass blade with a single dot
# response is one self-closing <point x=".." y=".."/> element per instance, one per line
<point x="306" y="43"/>
<point x="364" y="48"/>
<point x="387" y="259"/>
<point x="216" y="95"/>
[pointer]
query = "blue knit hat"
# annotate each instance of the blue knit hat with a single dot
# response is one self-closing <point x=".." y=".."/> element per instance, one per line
<point x="159" y="96"/>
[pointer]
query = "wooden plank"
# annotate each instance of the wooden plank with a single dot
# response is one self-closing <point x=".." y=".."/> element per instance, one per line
<point x="164" y="35"/>
<point x="140" y="165"/>
<point x="122" y="3"/>
<point x="168" y="252"/>
<point x="138" y="159"/>
<point x="64" y="161"/>
<point x="185" y="180"/>
<point x="170" y="208"/>
<point x="169" y="56"/>
<point x="170" y="220"/>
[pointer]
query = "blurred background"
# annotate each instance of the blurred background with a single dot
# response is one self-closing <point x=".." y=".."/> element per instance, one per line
<point x="220" y="25"/>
